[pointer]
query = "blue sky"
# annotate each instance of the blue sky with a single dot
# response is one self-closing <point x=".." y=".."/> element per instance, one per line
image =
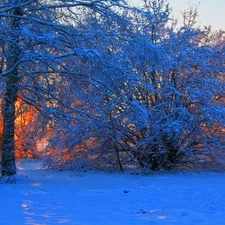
<point x="211" y="12"/>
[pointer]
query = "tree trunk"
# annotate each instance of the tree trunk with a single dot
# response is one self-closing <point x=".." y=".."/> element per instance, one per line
<point x="8" y="148"/>
<point x="10" y="97"/>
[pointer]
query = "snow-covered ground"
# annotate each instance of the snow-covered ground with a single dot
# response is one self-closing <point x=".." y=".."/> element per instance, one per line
<point x="95" y="198"/>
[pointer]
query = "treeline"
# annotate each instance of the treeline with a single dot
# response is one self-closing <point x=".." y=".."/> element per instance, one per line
<point x="99" y="84"/>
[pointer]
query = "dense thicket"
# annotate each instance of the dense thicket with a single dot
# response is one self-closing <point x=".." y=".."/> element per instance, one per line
<point x="111" y="86"/>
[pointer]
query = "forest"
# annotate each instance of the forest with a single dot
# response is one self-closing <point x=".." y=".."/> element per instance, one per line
<point x="100" y="84"/>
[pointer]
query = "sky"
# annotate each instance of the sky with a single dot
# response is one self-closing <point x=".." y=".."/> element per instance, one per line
<point x="211" y="12"/>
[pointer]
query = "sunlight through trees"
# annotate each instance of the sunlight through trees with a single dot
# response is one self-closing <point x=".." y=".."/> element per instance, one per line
<point x="100" y="84"/>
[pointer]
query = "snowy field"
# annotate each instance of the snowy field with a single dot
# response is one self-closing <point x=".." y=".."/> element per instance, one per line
<point x="96" y="198"/>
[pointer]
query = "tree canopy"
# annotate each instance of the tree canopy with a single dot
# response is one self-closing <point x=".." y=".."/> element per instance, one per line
<point x="109" y="85"/>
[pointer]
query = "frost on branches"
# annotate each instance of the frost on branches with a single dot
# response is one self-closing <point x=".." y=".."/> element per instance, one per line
<point x="112" y="86"/>
<point x="39" y="42"/>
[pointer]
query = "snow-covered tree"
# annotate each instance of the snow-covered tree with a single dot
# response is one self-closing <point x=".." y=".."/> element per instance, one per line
<point x="99" y="95"/>
<point x="112" y="85"/>
<point x="177" y="93"/>
<point x="155" y="98"/>
<point x="38" y="39"/>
